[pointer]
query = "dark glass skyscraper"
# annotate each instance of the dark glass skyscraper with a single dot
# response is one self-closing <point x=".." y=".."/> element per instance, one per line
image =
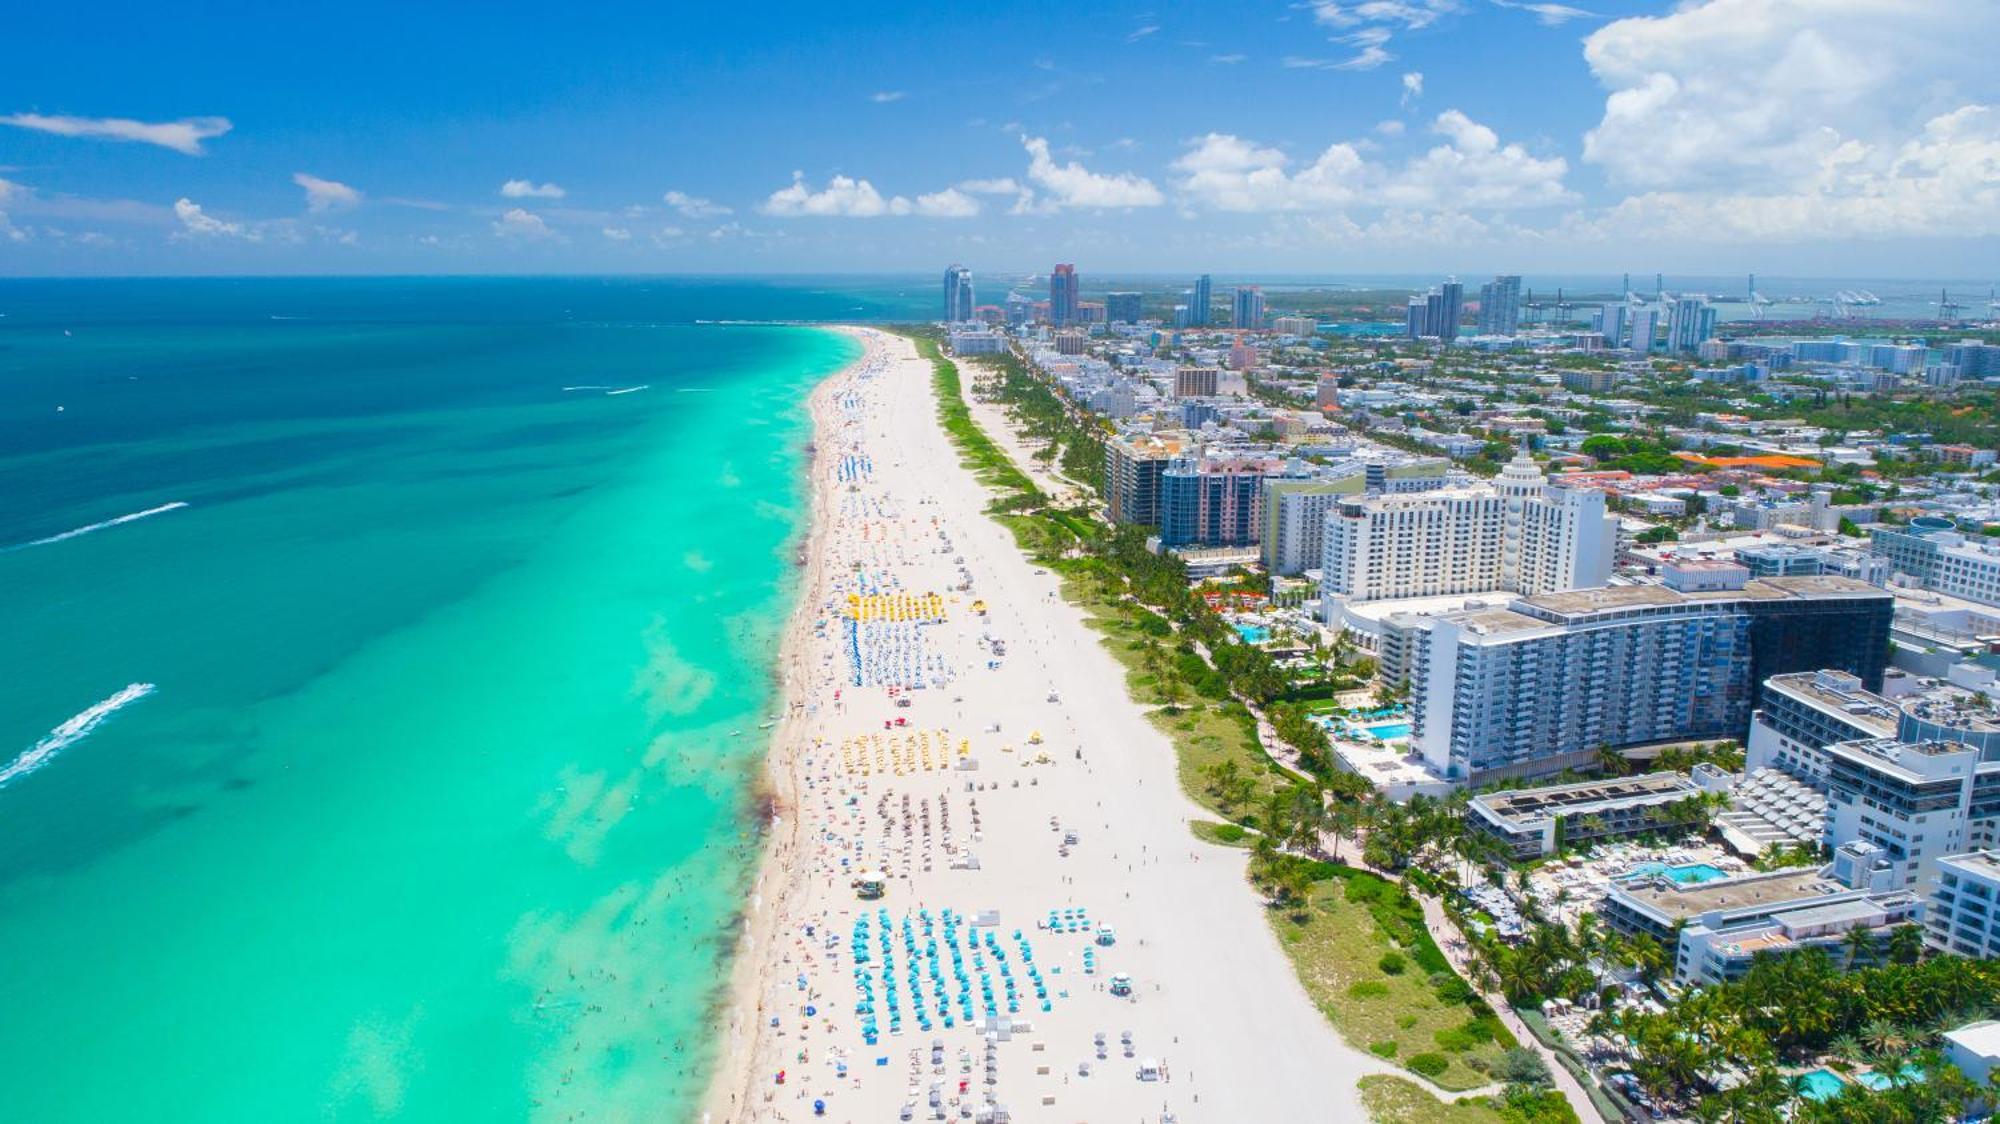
<point x="1200" y="301"/>
<point x="958" y="298"/>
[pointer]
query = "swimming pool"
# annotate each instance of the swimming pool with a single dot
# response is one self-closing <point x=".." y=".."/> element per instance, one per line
<point x="1253" y="633"/>
<point x="1879" y="1081"/>
<point x="1390" y="730"/>
<point x="1818" y="1085"/>
<point x="1687" y="874"/>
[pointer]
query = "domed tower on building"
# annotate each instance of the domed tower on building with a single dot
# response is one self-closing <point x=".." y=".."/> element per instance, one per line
<point x="1522" y="479"/>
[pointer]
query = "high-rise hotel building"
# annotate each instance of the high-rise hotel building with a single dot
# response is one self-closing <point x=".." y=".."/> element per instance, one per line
<point x="1544" y="683"/>
<point x="1515" y="535"/>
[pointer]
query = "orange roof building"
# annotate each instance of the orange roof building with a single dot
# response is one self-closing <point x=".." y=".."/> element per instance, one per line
<point x="1768" y="460"/>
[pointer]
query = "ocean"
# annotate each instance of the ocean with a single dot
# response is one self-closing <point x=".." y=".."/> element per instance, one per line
<point x="381" y="667"/>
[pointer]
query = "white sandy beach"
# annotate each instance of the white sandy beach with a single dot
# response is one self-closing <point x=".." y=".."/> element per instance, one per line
<point x="968" y="819"/>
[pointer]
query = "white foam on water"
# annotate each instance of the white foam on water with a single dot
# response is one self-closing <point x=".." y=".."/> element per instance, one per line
<point x="71" y="732"/>
<point x="629" y="389"/>
<point x="567" y="389"/>
<point x="135" y="516"/>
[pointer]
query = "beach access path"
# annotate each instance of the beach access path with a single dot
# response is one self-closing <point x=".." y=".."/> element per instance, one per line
<point x="1213" y="998"/>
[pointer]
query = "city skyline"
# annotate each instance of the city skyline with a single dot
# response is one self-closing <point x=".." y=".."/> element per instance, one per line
<point x="1859" y="138"/>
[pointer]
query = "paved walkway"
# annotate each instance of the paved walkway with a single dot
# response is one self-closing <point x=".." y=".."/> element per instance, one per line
<point x="1459" y="953"/>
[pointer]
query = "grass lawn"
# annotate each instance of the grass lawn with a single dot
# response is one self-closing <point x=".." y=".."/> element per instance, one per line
<point x="1203" y="734"/>
<point x="1342" y="953"/>
<point x="1221" y="834"/>
<point x="1392" y="1100"/>
<point x="1203" y="731"/>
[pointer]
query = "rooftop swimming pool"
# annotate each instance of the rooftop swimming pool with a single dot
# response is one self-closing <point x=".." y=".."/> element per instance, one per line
<point x="1687" y="874"/>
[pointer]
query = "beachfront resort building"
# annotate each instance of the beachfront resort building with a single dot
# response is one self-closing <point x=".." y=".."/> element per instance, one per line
<point x="1215" y="498"/>
<point x="1800" y="715"/>
<point x="1296" y="507"/>
<point x="1533" y="822"/>
<point x="1915" y="801"/>
<point x="1963" y="916"/>
<point x="1544" y="683"/>
<point x="1133" y="467"/>
<point x="1515" y="535"/>
<point x="1717" y="928"/>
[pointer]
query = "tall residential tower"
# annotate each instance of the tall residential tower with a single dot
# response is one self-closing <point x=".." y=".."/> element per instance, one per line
<point x="1062" y="296"/>
<point x="958" y="299"/>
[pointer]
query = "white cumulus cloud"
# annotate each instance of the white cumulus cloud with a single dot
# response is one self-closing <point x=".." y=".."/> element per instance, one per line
<point x="1758" y="92"/>
<point x="1472" y="169"/>
<point x="528" y="189"/>
<point x="325" y="195"/>
<point x="842" y="197"/>
<point x="183" y="136"/>
<point x="1791" y="119"/>
<point x="1945" y="182"/>
<point x="617" y="234"/>
<point x="195" y="223"/>
<point x="951" y="203"/>
<point x="519" y="225"/>
<point x="1073" y="185"/>
<point x="846" y="197"/>
<point x="693" y="206"/>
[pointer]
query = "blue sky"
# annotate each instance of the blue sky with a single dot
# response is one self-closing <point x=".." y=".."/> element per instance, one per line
<point x="1790" y="136"/>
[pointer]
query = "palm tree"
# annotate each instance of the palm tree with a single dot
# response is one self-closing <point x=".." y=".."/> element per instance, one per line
<point x="1612" y="762"/>
<point x="1881" y="1036"/>
<point x="1906" y="944"/>
<point x="1274" y="817"/>
<point x="1648" y="955"/>
<point x="1343" y="818"/>
<point x="1859" y="944"/>
<point x="1307" y="810"/>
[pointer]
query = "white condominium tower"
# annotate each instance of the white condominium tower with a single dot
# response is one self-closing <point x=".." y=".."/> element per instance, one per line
<point x="1515" y="535"/>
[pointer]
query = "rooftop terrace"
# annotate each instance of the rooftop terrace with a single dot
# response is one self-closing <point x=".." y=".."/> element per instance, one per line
<point x="1755" y="891"/>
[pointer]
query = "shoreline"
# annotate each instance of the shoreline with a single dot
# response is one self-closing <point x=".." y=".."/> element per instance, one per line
<point x="948" y="709"/>
<point x="776" y="786"/>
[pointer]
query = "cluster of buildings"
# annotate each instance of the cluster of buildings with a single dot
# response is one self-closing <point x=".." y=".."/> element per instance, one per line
<point x="1535" y="603"/>
<point x="1899" y="789"/>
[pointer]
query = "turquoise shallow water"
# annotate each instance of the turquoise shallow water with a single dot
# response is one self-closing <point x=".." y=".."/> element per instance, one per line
<point x="438" y="807"/>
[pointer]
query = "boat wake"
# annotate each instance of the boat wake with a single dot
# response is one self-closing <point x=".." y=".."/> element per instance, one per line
<point x="569" y="389"/>
<point x="629" y="389"/>
<point x="71" y="732"/>
<point x="134" y="517"/>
